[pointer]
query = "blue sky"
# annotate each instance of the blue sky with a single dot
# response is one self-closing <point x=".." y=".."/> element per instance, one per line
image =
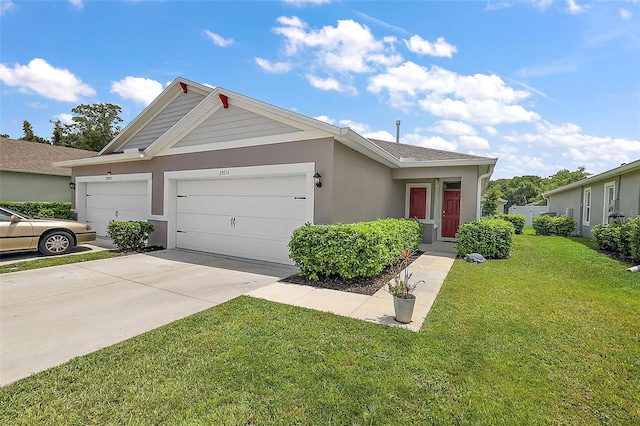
<point x="542" y="85"/>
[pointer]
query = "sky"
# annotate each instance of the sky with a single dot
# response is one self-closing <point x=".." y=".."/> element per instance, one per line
<point x="541" y="85"/>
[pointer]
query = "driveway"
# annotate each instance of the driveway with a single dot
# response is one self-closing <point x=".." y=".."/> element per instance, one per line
<point x="51" y="315"/>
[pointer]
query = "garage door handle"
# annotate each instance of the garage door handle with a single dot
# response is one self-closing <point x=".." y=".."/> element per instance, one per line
<point x="233" y="222"/>
<point x="299" y="198"/>
<point x="182" y="232"/>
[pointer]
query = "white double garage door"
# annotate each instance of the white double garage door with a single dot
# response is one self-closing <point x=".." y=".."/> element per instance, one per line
<point x="225" y="211"/>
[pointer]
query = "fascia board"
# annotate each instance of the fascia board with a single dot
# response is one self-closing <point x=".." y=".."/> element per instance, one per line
<point x="449" y="163"/>
<point x="604" y="175"/>
<point x="103" y="159"/>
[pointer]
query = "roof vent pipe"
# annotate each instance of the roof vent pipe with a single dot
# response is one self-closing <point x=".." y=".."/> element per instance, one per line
<point x="397" y="131"/>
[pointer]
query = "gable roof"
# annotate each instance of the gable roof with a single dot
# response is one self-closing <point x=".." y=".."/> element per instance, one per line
<point x="305" y="128"/>
<point x="35" y="157"/>
<point x="624" y="168"/>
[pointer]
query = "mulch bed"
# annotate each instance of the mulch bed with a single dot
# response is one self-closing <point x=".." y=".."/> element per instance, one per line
<point x="360" y="285"/>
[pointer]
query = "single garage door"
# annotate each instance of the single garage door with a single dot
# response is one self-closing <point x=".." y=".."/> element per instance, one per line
<point x="120" y="201"/>
<point x="245" y="217"/>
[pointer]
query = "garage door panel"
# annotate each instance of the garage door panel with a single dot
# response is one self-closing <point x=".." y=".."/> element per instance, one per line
<point x="120" y="201"/>
<point x="245" y="217"/>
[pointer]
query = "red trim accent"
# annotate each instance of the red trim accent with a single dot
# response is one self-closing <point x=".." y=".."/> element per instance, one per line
<point x="184" y="87"/>
<point x="225" y="100"/>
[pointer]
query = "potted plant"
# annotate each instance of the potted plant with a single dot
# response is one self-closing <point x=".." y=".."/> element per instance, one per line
<point x="402" y="290"/>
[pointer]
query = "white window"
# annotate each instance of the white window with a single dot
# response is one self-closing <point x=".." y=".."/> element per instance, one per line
<point x="586" y="206"/>
<point x="609" y="201"/>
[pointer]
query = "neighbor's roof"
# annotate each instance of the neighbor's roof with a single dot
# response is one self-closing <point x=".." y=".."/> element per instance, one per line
<point x="624" y="168"/>
<point x="400" y="150"/>
<point x="35" y="157"/>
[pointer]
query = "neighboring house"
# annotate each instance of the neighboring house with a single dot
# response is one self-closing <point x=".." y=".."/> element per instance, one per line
<point x="27" y="172"/>
<point x="219" y="172"/>
<point x="594" y="200"/>
<point x="530" y="211"/>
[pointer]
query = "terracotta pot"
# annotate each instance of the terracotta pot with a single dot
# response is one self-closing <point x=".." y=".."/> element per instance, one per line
<point x="403" y="309"/>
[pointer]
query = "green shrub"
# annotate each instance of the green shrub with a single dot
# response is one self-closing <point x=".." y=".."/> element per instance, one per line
<point x="50" y="210"/>
<point x="621" y="238"/>
<point x="130" y="235"/>
<point x="562" y="226"/>
<point x="517" y="220"/>
<point x="360" y="249"/>
<point x="492" y="238"/>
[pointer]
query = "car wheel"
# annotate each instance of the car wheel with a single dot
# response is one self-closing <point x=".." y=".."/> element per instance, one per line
<point x="58" y="242"/>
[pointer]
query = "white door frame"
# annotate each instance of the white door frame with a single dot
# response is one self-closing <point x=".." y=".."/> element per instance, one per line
<point x="171" y="186"/>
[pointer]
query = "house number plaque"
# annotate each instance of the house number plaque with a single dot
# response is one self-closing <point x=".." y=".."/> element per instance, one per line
<point x="224" y="172"/>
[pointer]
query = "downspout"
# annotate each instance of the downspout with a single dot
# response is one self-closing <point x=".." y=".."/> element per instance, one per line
<point x="479" y="196"/>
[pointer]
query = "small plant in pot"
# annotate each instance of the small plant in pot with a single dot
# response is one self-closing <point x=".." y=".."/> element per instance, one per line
<point x="402" y="290"/>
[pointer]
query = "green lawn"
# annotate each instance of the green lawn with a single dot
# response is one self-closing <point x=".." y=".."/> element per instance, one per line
<point x="550" y="336"/>
<point x="45" y="262"/>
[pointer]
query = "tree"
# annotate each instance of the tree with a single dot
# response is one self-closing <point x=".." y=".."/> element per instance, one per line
<point x="564" y="177"/>
<point x="490" y="202"/>
<point x="519" y="190"/>
<point x="93" y="126"/>
<point x="5" y="135"/>
<point x="28" y="135"/>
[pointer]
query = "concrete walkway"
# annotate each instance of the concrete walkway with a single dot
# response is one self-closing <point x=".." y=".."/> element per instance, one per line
<point x="432" y="267"/>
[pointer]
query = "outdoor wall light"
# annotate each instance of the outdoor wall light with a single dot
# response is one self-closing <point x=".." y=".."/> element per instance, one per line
<point x="72" y="185"/>
<point x="316" y="179"/>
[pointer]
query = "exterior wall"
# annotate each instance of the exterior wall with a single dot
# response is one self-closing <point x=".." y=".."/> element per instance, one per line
<point x="233" y="124"/>
<point x="18" y="186"/>
<point x="165" y="120"/>
<point x="362" y="188"/>
<point x="627" y="200"/>
<point x="468" y="177"/>
<point x="319" y="151"/>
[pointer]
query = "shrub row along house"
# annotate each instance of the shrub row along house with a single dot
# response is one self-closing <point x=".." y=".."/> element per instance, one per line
<point x="220" y="172"/>
<point x="613" y="195"/>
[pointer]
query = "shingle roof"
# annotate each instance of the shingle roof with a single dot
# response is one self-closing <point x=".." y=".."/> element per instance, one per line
<point x="37" y="157"/>
<point x="400" y="150"/>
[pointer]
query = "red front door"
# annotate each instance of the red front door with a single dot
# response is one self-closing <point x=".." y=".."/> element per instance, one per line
<point x="418" y="203"/>
<point x="450" y="212"/>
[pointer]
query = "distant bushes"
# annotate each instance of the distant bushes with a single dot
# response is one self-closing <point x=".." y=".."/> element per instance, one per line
<point x="562" y="226"/>
<point x="130" y="235"/>
<point x="360" y="249"/>
<point x="518" y="220"/>
<point x="492" y="238"/>
<point x="49" y="210"/>
<point x="620" y="238"/>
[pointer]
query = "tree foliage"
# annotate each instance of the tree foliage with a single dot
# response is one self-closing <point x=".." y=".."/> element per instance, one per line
<point x="93" y="127"/>
<point x="29" y="135"/>
<point x="522" y="190"/>
<point x="490" y="201"/>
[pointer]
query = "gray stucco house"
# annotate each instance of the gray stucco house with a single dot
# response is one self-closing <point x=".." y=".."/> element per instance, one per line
<point x="26" y="172"/>
<point x="597" y="199"/>
<point x="220" y="172"/>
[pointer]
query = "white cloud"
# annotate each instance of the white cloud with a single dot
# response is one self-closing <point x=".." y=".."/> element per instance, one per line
<point x="435" y="142"/>
<point x="364" y="130"/>
<point x="274" y="67"/>
<point x="64" y="118"/>
<point x="329" y="84"/>
<point x="440" y="48"/>
<point x="542" y="5"/>
<point x="347" y="47"/>
<point x="489" y="130"/>
<point x="511" y="163"/>
<point x="473" y="142"/>
<point x="40" y="77"/>
<point x="218" y="40"/>
<point x="625" y="14"/>
<point x="478" y="98"/>
<point x="325" y="119"/>
<point x="573" y="144"/>
<point x="78" y="4"/>
<point x="575" y="8"/>
<point x="382" y="135"/>
<point x="138" y="89"/>
<point x="454" y="128"/>
<point x="6" y="6"/>
<point x="381" y="23"/>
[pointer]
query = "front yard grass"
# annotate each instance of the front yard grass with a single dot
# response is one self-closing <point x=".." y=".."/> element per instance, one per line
<point x="45" y="262"/>
<point x="549" y="336"/>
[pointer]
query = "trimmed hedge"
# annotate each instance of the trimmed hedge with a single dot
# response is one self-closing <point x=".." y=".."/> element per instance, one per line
<point x="620" y="238"/>
<point x="49" y="210"/>
<point x="562" y="226"/>
<point x="518" y="220"/>
<point x="130" y="235"/>
<point x="492" y="238"/>
<point x="360" y="249"/>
